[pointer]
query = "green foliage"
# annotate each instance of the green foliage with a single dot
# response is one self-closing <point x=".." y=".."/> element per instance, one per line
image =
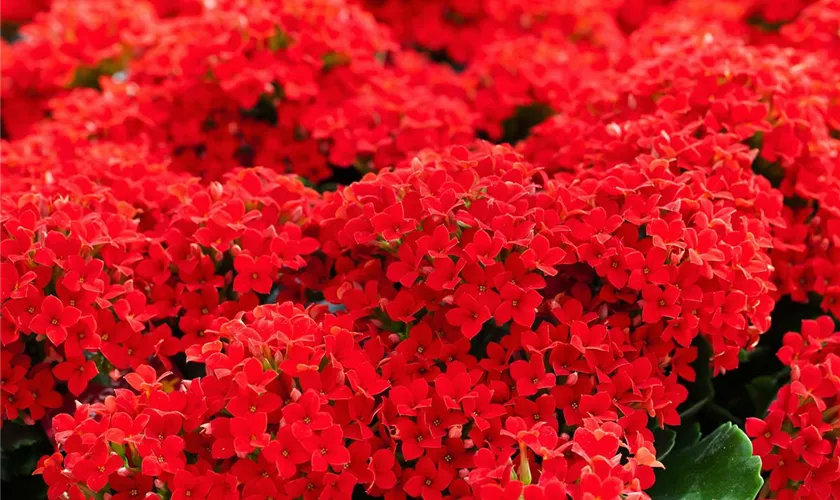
<point x="332" y="59"/>
<point x="664" y="440"/>
<point x="701" y="391"/>
<point x="518" y="126"/>
<point x="718" y="467"/>
<point x="88" y="76"/>
<point x="279" y="41"/>
<point x="21" y="447"/>
<point x="761" y="392"/>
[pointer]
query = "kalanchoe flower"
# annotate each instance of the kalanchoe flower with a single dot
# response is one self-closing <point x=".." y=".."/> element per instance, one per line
<point x="77" y="372"/>
<point x="90" y="295"/>
<point x="466" y="319"/>
<point x="797" y="439"/>
<point x="54" y="319"/>
<point x="179" y="429"/>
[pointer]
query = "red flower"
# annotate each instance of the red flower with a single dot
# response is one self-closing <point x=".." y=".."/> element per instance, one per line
<point x="251" y="274"/>
<point x="415" y="438"/>
<point x="96" y="469"/>
<point x="810" y="385"/>
<point x="83" y="336"/>
<point x="438" y="244"/>
<point x="427" y="481"/>
<point x="406" y="270"/>
<point x="403" y="307"/>
<point x="327" y="448"/>
<point x="468" y="314"/>
<point x="249" y="402"/>
<point x="811" y="446"/>
<point x="304" y="416"/>
<point x="445" y="274"/>
<point x="188" y="486"/>
<point x="542" y="256"/>
<point x="614" y="267"/>
<point x="648" y="268"/>
<point x="391" y="223"/>
<point x="382" y="467"/>
<point x="81" y="274"/>
<point x="483" y="249"/>
<point x="659" y="303"/>
<point x="15" y="401"/>
<point x="337" y="487"/>
<point x="541" y="410"/>
<point x="162" y="456"/>
<point x="511" y="491"/>
<point x="592" y="487"/>
<point x="518" y="304"/>
<point x="44" y="395"/>
<point x="77" y="372"/>
<point x="249" y="433"/>
<point x="145" y="379"/>
<point x="12" y="374"/>
<point x="156" y="268"/>
<point x="481" y="409"/>
<point x="132" y="309"/>
<point x="286" y="452"/>
<point x="54" y="319"/>
<point x="421" y="343"/>
<point x="531" y="376"/>
<point x="132" y="487"/>
<point x="11" y="282"/>
<point x="768" y="433"/>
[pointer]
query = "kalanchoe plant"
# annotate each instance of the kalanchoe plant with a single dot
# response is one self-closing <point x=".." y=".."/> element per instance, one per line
<point x="797" y="440"/>
<point x="87" y="290"/>
<point x="430" y="249"/>
<point x="287" y="407"/>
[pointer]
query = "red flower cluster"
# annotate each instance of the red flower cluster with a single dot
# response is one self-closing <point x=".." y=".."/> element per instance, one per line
<point x="301" y="86"/>
<point x="461" y="29"/>
<point x="709" y="101"/>
<point x="817" y="28"/>
<point x="797" y="440"/>
<point x="17" y="11"/>
<point x="582" y="352"/>
<point x="70" y="45"/>
<point x="467" y="320"/>
<point x="97" y="278"/>
<point x="285" y="411"/>
<point x="460" y="239"/>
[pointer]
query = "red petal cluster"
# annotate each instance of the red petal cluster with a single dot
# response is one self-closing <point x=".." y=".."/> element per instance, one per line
<point x="268" y="251"/>
<point x="101" y="274"/>
<point x="797" y="440"/>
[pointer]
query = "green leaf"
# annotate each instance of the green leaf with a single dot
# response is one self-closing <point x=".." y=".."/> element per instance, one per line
<point x="518" y="126"/>
<point x="758" y="352"/>
<point x="762" y="390"/>
<point x="719" y="467"/>
<point x="773" y="171"/>
<point x="21" y="446"/>
<point x="279" y="40"/>
<point x="688" y="435"/>
<point x="88" y="76"/>
<point x="664" y="440"/>
<point x="332" y="59"/>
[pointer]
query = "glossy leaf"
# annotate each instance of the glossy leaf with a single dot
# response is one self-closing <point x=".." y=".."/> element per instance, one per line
<point x="718" y="467"/>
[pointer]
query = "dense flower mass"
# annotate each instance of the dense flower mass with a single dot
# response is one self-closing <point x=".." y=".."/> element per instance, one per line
<point x="102" y="268"/>
<point x="420" y="249"/>
<point x="797" y="440"/>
